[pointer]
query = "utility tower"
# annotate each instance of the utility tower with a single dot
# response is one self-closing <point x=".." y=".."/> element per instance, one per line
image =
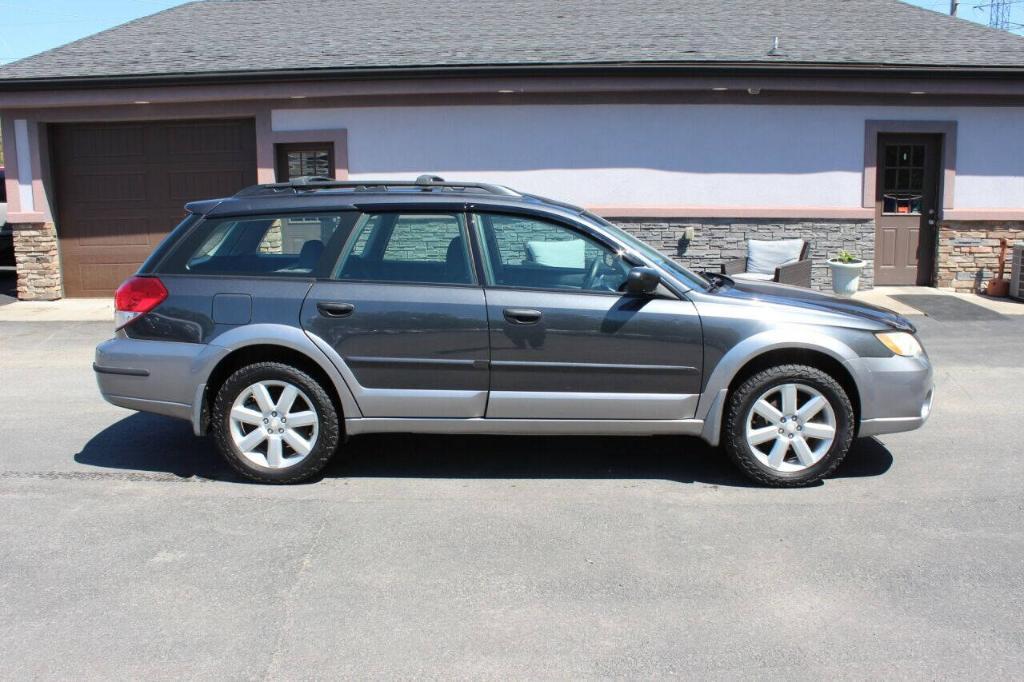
<point x="999" y="14"/>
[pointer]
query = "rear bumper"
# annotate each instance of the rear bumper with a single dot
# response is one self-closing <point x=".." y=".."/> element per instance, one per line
<point x="896" y="394"/>
<point x="164" y="377"/>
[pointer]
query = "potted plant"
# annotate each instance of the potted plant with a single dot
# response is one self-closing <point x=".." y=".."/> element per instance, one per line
<point x="846" y="269"/>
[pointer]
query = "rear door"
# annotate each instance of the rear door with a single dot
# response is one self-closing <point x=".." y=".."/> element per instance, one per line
<point x="404" y="311"/>
<point x="566" y="344"/>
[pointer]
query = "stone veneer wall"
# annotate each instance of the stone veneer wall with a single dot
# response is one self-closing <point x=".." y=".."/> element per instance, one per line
<point x="969" y="252"/>
<point x="717" y="240"/>
<point x="37" y="261"/>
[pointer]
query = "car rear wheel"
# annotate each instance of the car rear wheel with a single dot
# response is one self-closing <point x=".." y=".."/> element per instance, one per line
<point x="274" y="423"/>
<point x="789" y="425"/>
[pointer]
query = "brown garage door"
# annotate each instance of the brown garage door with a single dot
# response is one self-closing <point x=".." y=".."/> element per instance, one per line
<point x="120" y="187"/>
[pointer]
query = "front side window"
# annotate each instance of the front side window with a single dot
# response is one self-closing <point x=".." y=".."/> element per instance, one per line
<point x="408" y="247"/>
<point x="283" y="245"/>
<point x="525" y="252"/>
<point x="685" y="275"/>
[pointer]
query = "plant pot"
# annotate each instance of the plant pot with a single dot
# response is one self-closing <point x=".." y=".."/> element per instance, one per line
<point x="846" y="276"/>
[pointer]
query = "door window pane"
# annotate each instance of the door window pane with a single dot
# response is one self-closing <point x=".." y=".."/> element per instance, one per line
<point x="286" y="245"/>
<point x="529" y="253"/>
<point x="393" y="247"/>
<point x="904" y="167"/>
<point x="903" y="179"/>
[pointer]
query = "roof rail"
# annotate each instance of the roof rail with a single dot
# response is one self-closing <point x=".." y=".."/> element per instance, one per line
<point x="425" y="183"/>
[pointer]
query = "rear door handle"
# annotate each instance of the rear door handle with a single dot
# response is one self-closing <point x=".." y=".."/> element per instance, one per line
<point x="330" y="309"/>
<point x="522" y="315"/>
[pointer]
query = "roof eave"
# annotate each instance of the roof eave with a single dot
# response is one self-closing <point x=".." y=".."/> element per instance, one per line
<point x="816" y="69"/>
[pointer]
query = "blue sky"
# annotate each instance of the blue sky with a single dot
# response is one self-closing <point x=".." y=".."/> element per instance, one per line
<point x="31" y="26"/>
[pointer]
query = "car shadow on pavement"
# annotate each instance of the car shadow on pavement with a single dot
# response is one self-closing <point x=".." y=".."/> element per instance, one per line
<point x="150" y="443"/>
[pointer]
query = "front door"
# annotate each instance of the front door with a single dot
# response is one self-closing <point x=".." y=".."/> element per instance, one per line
<point x="906" y="206"/>
<point x="566" y="344"/>
<point x="403" y="310"/>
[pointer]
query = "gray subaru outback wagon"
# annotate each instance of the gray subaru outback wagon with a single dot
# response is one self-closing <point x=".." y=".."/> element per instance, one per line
<point x="288" y="317"/>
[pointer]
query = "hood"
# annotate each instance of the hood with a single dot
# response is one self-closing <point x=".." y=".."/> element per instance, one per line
<point x="799" y="297"/>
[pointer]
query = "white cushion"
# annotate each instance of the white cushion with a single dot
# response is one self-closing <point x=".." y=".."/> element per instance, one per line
<point x="754" y="276"/>
<point x="569" y="253"/>
<point x="763" y="256"/>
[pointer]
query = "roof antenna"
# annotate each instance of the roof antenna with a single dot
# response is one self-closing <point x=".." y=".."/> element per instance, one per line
<point x="776" y="51"/>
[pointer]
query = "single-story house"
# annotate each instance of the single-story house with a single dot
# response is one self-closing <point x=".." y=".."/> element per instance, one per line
<point x="867" y="125"/>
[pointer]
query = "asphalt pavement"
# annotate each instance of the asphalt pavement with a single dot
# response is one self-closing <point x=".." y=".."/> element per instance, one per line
<point x="127" y="550"/>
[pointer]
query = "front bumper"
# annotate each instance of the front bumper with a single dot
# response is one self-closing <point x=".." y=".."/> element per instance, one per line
<point x="165" y="377"/>
<point x="896" y="393"/>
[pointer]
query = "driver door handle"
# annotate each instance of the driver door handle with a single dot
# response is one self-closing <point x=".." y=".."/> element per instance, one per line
<point x="332" y="309"/>
<point x="522" y="315"/>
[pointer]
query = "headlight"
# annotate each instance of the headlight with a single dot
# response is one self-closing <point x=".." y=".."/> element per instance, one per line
<point x="900" y="343"/>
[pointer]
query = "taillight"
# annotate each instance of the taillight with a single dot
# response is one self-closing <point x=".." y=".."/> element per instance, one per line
<point x="137" y="296"/>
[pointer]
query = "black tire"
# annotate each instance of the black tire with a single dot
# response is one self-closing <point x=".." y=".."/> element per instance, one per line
<point x="741" y="402"/>
<point x="329" y="431"/>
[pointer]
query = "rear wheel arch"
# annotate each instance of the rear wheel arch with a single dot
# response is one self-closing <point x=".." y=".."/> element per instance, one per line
<point x="265" y="352"/>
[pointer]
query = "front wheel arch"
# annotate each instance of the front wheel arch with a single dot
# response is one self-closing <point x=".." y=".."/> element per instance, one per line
<point x="798" y="356"/>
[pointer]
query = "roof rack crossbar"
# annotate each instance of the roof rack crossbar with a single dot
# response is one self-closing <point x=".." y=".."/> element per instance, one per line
<point x="426" y="183"/>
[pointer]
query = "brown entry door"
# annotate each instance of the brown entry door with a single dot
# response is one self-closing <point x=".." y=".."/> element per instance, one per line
<point x="906" y="208"/>
<point x="121" y="187"/>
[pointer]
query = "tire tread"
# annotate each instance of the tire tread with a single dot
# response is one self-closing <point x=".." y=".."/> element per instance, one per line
<point x="734" y="427"/>
<point x="329" y="433"/>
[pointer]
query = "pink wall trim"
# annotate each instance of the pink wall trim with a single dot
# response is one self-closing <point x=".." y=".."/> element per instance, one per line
<point x="39" y="197"/>
<point x="267" y="137"/>
<point x="945" y="128"/>
<point x="801" y="212"/>
<point x="999" y="214"/>
<point x="22" y="217"/>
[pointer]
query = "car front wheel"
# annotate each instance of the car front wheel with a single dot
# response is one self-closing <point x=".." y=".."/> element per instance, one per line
<point x="789" y="425"/>
<point x="274" y="423"/>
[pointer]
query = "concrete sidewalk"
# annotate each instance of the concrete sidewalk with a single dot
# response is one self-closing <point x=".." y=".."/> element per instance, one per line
<point x="64" y="310"/>
<point x="882" y="296"/>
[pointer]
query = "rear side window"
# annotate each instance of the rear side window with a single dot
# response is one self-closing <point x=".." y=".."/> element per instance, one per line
<point x="408" y="247"/>
<point x="283" y="245"/>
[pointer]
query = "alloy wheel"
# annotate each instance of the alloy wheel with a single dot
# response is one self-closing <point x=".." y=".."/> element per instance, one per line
<point x="790" y="427"/>
<point x="273" y="424"/>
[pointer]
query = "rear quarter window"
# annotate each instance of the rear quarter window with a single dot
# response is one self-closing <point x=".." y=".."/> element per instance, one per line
<point x="266" y="245"/>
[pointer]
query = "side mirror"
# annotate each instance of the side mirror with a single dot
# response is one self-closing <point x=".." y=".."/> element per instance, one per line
<point x="642" y="281"/>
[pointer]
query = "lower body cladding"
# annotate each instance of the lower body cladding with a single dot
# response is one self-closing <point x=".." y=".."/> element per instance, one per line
<point x="169" y="378"/>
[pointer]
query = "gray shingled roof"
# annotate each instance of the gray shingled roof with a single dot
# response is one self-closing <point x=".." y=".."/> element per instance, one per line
<point x="224" y="36"/>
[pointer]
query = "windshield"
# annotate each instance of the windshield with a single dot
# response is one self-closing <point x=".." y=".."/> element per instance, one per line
<point x="690" y="278"/>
